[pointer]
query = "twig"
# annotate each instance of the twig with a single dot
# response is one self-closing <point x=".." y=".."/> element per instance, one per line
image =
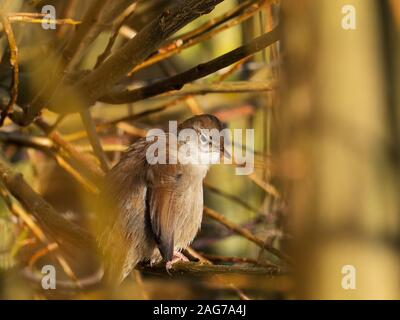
<point x="55" y="225"/>
<point x="49" y="147"/>
<point x="94" y="138"/>
<point x="232" y="70"/>
<point x="231" y="197"/>
<point x="178" y="81"/>
<point x="22" y="18"/>
<point x="37" y="231"/>
<point x="87" y="164"/>
<point x="113" y="38"/>
<point x="182" y="43"/>
<point x="246" y="234"/>
<point x="21" y="139"/>
<point x="169" y="104"/>
<point x="88" y="185"/>
<point x="204" y="260"/>
<point x="14" y="66"/>
<point x="200" y="269"/>
<point x="17" y="211"/>
<point x="236" y="260"/>
<point x="134" y="52"/>
<point x="224" y="87"/>
<point x="215" y="22"/>
<point x="267" y="187"/>
<point x="76" y="45"/>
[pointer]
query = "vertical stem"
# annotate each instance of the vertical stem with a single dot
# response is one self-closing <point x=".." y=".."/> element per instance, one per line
<point x="94" y="138"/>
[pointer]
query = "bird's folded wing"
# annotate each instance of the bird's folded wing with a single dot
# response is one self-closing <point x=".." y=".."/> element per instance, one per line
<point x="161" y="210"/>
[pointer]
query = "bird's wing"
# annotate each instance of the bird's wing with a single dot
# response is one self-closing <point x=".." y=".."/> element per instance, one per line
<point x="162" y="206"/>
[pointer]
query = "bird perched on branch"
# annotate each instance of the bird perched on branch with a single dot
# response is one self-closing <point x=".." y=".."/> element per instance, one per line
<point x="151" y="205"/>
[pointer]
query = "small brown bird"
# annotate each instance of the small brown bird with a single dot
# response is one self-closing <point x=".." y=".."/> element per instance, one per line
<point x="151" y="212"/>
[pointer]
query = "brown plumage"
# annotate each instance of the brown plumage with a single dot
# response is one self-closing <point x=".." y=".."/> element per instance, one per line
<point x="148" y="212"/>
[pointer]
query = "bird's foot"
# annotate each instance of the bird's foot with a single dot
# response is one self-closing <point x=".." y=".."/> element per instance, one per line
<point x="177" y="257"/>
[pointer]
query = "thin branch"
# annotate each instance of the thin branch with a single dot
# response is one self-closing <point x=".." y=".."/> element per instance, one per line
<point x="245" y="233"/>
<point x="267" y="187"/>
<point x="21" y="139"/>
<point x="235" y="260"/>
<point x="215" y="22"/>
<point x="148" y="40"/>
<point x="113" y="38"/>
<point x="94" y="138"/>
<point x="201" y="269"/>
<point x="204" y="33"/>
<point x="53" y="223"/>
<point x="23" y="18"/>
<point x="204" y="260"/>
<point x="169" y="104"/>
<point x="76" y="45"/>
<point x="100" y="16"/>
<point x="51" y="148"/>
<point x="86" y="163"/>
<point x="178" y="81"/>
<point x="224" y="87"/>
<point x="37" y="231"/>
<point x="14" y="66"/>
<point x="231" y="197"/>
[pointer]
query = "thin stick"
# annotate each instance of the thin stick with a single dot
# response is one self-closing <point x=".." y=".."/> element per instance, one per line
<point x="183" y="42"/>
<point x="14" y="66"/>
<point x="245" y="233"/>
<point x="178" y="81"/>
<point x="267" y="187"/>
<point x="224" y="87"/>
<point x="204" y="260"/>
<point x="37" y="231"/>
<point x="84" y="160"/>
<point x="113" y="38"/>
<point x="199" y="269"/>
<point x="94" y="138"/>
<point x="231" y="197"/>
<point x="26" y="19"/>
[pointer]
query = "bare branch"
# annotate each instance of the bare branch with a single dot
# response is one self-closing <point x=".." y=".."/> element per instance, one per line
<point x="200" y="269"/>
<point x="245" y="233"/>
<point x="53" y="223"/>
<point x="14" y="65"/>
<point x="178" y="81"/>
<point x="148" y="40"/>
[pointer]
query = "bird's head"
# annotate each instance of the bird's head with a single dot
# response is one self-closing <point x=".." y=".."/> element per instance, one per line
<point x="207" y="136"/>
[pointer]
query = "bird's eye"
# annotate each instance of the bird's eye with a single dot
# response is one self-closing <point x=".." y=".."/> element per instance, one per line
<point x="203" y="139"/>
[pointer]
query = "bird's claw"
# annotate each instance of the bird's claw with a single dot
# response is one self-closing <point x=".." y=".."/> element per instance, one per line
<point x="177" y="257"/>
